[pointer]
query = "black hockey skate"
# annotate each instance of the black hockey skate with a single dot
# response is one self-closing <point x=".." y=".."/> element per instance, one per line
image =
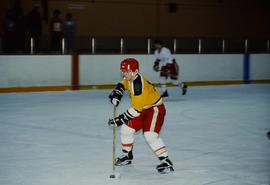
<point x="184" y="89"/>
<point x="164" y="94"/>
<point x="124" y="159"/>
<point x="166" y="165"/>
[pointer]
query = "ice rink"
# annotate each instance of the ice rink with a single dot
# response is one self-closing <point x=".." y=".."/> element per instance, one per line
<point x="214" y="135"/>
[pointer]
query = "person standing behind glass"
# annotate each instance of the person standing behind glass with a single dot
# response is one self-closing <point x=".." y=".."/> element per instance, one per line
<point x="9" y="32"/>
<point x="56" y="29"/>
<point x="34" y="25"/>
<point x="69" y="33"/>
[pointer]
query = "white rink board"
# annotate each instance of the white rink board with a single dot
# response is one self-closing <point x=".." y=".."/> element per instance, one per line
<point x="104" y="69"/>
<point x="214" y="67"/>
<point x="260" y="67"/>
<point x="55" y="70"/>
<point x="39" y="70"/>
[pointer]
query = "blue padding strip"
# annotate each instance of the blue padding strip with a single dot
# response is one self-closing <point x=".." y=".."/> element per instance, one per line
<point x="246" y="68"/>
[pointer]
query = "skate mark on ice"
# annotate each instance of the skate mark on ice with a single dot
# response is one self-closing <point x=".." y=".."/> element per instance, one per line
<point x="34" y="127"/>
<point x="215" y="181"/>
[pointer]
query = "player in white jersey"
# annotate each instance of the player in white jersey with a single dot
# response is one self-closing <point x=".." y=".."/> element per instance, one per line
<point x="168" y="68"/>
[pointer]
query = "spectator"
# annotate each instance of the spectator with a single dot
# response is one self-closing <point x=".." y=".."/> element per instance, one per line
<point x="56" y="29"/>
<point x="9" y="25"/>
<point x="34" y="26"/>
<point x="20" y="28"/>
<point x="69" y="33"/>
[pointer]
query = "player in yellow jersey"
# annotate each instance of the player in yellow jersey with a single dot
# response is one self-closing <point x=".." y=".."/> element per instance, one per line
<point x="146" y="112"/>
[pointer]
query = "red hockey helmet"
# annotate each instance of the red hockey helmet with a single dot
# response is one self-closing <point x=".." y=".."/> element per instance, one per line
<point x="129" y="64"/>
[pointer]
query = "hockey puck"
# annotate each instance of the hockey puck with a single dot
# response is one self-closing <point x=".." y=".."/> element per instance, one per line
<point x="112" y="176"/>
<point x="116" y="175"/>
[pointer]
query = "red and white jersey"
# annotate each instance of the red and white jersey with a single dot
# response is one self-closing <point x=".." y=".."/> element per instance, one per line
<point x="56" y="25"/>
<point x="164" y="56"/>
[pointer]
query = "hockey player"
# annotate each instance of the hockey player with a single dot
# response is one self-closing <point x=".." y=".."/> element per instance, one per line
<point x="146" y="112"/>
<point x="168" y="68"/>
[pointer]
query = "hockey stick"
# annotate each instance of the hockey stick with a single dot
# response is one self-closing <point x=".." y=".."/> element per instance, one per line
<point x="114" y="174"/>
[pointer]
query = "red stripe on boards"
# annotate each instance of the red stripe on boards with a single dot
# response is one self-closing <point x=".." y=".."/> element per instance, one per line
<point x="75" y="80"/>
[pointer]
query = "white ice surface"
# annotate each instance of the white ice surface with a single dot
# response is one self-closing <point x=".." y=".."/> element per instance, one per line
<point x="214" y="135"/>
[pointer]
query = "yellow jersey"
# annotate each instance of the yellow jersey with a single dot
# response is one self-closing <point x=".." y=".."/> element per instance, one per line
<point x="142" y="93"/>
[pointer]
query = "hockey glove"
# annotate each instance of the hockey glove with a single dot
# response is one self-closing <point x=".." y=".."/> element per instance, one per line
<point x="117" y="94"/>
<point x="118" y="121"/>
<point x="156" y="66"/>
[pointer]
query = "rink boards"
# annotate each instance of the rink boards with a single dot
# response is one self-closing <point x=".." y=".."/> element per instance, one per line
<point x="62" y="72"/>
